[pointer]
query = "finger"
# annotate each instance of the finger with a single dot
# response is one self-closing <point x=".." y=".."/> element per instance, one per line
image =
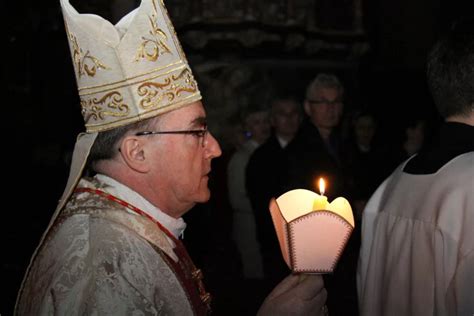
<point x="320" y="299"/>
<point x="309" y="287"/>
<point x="285" y="285"/>
<point x="316" y="305"/>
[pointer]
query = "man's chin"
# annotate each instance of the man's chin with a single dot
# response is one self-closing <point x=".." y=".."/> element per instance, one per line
<point x="204" y="196"/>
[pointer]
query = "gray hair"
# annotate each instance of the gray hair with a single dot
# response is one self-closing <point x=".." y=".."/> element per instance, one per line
<point x="106" y="144"/>
<point x="324" y="80"/>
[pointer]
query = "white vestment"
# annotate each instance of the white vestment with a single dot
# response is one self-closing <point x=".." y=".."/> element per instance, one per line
<point x="417" y="252"/>
<point x="100" y="258"/>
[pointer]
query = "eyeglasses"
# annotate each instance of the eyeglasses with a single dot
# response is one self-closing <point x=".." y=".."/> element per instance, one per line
<point x="325" y="101"/>
<point x="200" y="133"/>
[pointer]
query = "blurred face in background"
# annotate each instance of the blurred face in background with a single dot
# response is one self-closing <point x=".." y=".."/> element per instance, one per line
<point x="364" y="129"/>
<point x="416" y="133"/>
<point x="257" y="124"/>
<point x="285" y="118"/>
<point x="324" y="107"/>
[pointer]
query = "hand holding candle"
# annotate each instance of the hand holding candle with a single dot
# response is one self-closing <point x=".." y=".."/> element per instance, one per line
<point x="311" y="231"/>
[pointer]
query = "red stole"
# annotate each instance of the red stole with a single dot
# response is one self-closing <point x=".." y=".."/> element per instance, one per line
<point x="189" y="276"/>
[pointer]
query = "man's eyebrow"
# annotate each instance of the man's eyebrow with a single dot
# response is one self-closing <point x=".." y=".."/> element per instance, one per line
<point x="199" y="121"/>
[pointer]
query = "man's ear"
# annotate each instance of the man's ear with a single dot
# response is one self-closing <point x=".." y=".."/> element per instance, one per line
<point x="133" y="153"/>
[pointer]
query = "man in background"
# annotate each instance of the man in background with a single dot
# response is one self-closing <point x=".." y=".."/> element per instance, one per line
<point x="315" y="152"/>
<point x="265" y="176"/>
<point x="257" y="129"/>
<point x="417" y="253"/>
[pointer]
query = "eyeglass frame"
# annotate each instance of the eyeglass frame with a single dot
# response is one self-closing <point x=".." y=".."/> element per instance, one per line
<point x="201" y="133"/>
<point x="325" y="101"/>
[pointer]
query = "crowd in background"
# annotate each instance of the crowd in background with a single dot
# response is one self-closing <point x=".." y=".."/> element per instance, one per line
<point x="287" y="143"/>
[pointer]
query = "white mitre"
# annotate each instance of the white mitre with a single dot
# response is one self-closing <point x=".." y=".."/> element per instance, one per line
<point x="131" y="71"/>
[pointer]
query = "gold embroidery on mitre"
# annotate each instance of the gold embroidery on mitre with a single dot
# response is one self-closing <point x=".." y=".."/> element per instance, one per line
<point x="152" y="48"/>
<point x="172" y="30"/>
<point x="110" y="104"/>
<point x="85" y="64"/>
<point x="154" y="92"/>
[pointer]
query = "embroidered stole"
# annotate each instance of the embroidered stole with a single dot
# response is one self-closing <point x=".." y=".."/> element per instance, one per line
<point x="176" y="257"/>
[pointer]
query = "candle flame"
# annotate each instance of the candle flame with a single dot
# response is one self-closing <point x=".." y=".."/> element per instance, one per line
<point x="322" y="186"/>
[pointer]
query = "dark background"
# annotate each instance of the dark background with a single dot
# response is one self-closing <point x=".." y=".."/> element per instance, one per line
<point x="382" y="65"/>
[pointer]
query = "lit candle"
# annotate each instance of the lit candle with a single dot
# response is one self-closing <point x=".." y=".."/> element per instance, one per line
<point x="322" y="186"/>
<point x="311" y="231"/>
<point x="320" y="201"/>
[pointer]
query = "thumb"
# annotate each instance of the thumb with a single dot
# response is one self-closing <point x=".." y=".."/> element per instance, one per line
<point x="309" y="287"/>
<point x="288" y="283"/>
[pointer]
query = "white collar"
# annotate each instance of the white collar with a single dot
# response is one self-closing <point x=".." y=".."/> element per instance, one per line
<point x="282" y="141"/>
<point x="175" y="226"/>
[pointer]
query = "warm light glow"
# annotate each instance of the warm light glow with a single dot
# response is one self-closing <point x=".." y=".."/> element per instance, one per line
<point x="322" y="186"/>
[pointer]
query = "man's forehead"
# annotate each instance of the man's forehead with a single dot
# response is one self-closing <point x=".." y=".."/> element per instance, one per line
<point x="192" y="114"/>
<point x="326" y="90"/>
<point x="256" y="117"/>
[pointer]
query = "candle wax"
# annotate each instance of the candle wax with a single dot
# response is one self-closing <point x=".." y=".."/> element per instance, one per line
<point x="320" y="203"/>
